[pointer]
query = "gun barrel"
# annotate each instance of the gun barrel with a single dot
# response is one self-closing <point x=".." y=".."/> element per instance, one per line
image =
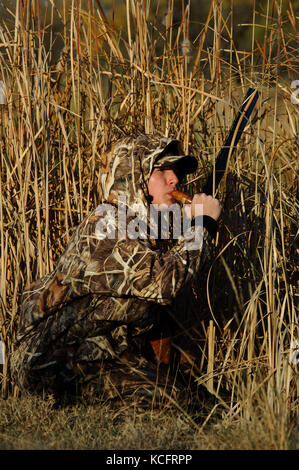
<point x="232" y="140"/>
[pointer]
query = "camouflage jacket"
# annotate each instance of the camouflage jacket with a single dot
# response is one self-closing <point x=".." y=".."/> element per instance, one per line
<point x="105" y="292"/>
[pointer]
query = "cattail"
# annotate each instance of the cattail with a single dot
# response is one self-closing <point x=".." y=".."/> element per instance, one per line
<point x="167" y="18"/>
<point x="186" y="48"/>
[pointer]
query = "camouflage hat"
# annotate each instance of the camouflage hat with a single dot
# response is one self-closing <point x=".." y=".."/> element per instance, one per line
<point x="185" y="164"/>
<point x="173" y="156"/>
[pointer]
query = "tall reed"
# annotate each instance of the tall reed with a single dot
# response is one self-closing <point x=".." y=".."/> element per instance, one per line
<point x="61" y="113"/>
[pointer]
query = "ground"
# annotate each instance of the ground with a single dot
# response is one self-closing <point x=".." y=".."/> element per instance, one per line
<point x="33" y="423"/>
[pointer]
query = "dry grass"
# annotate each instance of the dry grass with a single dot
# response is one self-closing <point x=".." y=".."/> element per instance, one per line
<point x="58" y="118"/>
<point x="33" y="423"/>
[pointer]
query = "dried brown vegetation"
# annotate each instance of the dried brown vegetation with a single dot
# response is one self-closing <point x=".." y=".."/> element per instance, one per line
<point x="59" y="117"/>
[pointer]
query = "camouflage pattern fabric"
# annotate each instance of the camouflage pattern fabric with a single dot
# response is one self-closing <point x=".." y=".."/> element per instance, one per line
<point x="86" y="325"/>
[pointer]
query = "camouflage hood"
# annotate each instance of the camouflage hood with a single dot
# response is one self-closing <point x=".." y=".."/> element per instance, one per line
<point x="127" y="166"/>
<point x="107" y="293"/>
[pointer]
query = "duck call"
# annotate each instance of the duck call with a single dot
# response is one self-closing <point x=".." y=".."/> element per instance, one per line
<point x="183" y="198"/>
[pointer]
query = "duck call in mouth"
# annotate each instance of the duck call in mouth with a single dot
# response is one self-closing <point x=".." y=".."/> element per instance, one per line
<point x="181" y="197"/>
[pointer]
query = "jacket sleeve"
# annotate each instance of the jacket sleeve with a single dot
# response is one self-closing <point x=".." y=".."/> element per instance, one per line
<point x="133" y="268"/>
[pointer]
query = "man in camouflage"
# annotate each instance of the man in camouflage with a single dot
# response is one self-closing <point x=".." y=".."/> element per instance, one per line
<point x="89" y="324"/>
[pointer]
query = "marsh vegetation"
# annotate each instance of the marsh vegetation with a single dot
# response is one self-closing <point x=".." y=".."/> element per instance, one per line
<point x="149" y="67"/>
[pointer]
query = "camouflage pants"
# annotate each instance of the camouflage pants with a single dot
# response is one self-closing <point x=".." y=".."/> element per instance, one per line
<point x="133" y="379"/>
<point x="129" y="378"/>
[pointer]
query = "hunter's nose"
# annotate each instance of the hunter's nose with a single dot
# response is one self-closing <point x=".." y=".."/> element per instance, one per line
<point x="172" y="178"/>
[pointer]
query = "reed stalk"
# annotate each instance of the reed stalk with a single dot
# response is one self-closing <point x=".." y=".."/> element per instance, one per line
<point x="62" y="112"/>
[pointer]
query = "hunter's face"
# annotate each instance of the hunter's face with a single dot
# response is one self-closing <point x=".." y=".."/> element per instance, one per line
<point x="161" y="184"/>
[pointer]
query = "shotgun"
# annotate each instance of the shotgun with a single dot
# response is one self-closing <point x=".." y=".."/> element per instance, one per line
<point x="228" y="148"/>
<point x="162" y="347"/>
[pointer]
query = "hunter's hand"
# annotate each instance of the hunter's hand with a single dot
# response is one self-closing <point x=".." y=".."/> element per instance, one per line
<point x="202" y="204"/>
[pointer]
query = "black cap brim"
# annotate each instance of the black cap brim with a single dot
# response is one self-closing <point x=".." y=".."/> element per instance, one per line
<point x="185" y="164"/>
